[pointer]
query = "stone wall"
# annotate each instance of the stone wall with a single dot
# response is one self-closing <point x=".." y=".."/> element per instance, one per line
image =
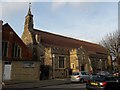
<point x="99" y="62"/>
<point x="20" y="71"/>
<point x="74" y="60"/>
<point x="61" y="73"/>
<point x="52" y="59"/>
<point x="79" y="60"/>
<point x="48" y="56"/>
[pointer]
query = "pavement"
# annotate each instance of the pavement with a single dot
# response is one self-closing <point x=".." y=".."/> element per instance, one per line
<point x="0" y="73"/>
<point x="34" y="84"/>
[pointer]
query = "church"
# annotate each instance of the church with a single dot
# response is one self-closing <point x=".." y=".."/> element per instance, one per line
<point x="58" y="56"/>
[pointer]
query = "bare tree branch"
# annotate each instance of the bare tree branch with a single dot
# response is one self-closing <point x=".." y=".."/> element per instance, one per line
<point x="112" y="43"/>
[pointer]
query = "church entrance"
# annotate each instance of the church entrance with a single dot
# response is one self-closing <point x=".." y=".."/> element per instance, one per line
<point x="44" y="75"/>
<point x="82" y="68"/>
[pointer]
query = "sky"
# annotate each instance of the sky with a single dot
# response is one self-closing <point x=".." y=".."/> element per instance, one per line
<point x="88" y="21"/>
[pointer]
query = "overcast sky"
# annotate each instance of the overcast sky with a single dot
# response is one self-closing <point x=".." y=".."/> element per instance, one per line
<point x="89" y="21"/>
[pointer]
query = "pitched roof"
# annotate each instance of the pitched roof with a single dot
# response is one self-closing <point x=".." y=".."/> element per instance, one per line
<point x="50" y="39"/>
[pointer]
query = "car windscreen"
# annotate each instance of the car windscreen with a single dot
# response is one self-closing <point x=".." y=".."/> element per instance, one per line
<point x="103" y="78"/>
<point x="110" y="78"/>
<point x="75" y="73"/>
<point x="84" y="73"/>
<point x="99" y="78"/>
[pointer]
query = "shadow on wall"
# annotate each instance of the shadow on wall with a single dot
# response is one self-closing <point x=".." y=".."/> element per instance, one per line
<point x="44" y="72"/>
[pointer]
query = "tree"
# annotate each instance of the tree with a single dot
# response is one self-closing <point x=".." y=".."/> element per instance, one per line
<point x="112" y="43"/>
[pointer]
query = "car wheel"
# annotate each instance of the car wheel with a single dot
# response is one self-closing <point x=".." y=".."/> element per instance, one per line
<point x="82" y="80"/>
<point x="109" y="89"/>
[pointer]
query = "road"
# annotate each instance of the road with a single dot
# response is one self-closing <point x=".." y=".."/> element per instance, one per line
<point x="56" y="87"/>
<point x="73" y="85"/>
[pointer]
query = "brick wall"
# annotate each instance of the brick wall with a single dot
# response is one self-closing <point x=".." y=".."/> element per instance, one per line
<point x="11" y="37"/>
<point x="18" y="71"/>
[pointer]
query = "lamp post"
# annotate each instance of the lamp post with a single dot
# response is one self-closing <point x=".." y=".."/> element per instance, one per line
<point x="101" y="64"/>
<point x="53" y="66"/>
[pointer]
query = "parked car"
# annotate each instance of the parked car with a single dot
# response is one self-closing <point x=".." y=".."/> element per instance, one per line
<point x="81" y="76"/>
<point x="103" y="82"/>
<point x="103" y="73"/>
<point x="93" y="75"/>
<point x="116" y="74"/>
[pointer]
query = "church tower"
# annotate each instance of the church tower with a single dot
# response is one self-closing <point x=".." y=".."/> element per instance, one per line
<point x="28" y="36"/>
<point x="28" y="33"/>
<point x="29" y="20"/>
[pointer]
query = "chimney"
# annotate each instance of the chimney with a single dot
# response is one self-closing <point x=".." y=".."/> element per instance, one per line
<point x="1" y="23"/>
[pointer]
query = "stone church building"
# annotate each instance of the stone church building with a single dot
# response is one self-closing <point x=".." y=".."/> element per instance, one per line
<point x="58" y="55"/>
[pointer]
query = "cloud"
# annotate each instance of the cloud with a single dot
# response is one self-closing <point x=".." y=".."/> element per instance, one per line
<point x="19" y="0"/>
<point x="12" y="7"/>
<point x="0" y="10"/>
<point x="60" y="0"/>
<point x="78" y="4"/>
<point x="57" y="5"/>
<point x="85" y="0"/>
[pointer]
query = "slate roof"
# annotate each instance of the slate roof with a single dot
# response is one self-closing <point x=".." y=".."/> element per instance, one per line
<point x="55" y="40"/>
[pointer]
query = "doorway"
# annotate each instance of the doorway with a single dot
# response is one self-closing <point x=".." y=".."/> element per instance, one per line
<point x="7" y="71"/>
<point x="82" y="68"/>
